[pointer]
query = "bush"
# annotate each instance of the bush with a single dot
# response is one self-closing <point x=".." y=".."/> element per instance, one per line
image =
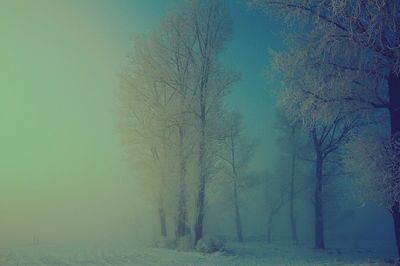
<point x="164" y="242"/>
<point x="185" y="243"/>
<point x="210" y="245"/>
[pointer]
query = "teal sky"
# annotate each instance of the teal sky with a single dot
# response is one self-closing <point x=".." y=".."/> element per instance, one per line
<point x="60" y="152"/>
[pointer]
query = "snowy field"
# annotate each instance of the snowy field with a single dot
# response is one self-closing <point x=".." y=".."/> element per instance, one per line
<point x="253" y="253"/>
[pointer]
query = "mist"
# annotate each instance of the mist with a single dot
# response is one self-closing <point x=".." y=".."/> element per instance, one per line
<point x="124" y="128"/>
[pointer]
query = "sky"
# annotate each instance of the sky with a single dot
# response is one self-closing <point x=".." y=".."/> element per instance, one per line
<point x="60" y="149"/>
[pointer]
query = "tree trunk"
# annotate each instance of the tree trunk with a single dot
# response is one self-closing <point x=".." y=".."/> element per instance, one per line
<point x="182" y="228"/>
<point x="237" y="213"/>
<point x="319" y="221"/>
<point x="198" y="227"/>
<point x="394" y="110"/>
<point x="291" y="202"/>
<point x="161" y="210"/>
<point x="396" y="222"/>
<point x="235" y="192"/>
<point x="163" y="222"/>
<point x="269" y="227"/>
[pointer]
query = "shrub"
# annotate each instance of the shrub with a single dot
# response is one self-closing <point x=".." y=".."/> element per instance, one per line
<point x="164" y="242"/>
<point x="210" y="245"/>
<point x="185" y="243"/>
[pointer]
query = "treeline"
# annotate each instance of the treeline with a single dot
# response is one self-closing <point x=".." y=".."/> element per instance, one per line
<point x="341" y="83"/>
<point x="176" y="128"/>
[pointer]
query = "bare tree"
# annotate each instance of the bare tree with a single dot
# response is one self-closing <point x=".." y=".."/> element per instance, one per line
<point x="279" y="193"/>
<point x="210" y="24"/>
<point x="154" y="87"/>
<point x="326" y="140"/>
<point x="236" y="152"/>
<point x="176" y="67"/>
<point x="144" y="128"/>
<point x="275" y="201"/>
<point x="173" y="46"/>
<point x="292" y="139"/>
<point x="292" y="218"/>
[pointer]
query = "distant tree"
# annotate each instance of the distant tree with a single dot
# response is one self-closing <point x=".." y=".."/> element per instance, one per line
<point x="236" y="152"/>
<point x="326" y="135"/>
<point x="154" y="93"/>
<point x="279" y="191"/>
<point x="276" y="198"/>
<point x="326" y="140"/>
<point x="293" y="228"/>
<point x="146" y="134"/>
<point x="291" y="139"/>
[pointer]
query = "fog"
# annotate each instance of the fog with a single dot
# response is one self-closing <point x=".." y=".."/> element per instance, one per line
<point x="75" y="171"/>
<point x="62" y="170"/>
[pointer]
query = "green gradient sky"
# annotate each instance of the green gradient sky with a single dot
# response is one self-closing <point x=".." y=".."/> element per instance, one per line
<point x="60" y="152"/>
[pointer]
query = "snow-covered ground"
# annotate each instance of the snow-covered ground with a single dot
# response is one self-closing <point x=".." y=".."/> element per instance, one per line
<point x="253" y="253"/>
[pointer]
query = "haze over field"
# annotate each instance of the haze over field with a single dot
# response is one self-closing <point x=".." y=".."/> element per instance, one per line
<point x="61" y="150"/>
<point x="264" y="120"/>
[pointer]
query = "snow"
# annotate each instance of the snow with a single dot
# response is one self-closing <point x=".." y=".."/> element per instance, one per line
<point x="249" y="253"/>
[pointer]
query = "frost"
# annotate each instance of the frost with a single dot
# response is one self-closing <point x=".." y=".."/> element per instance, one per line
<point x="373" y="159"/>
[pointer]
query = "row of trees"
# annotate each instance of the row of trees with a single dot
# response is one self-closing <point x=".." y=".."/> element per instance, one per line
<point x="341" y="82"/>
<point x="177" y="131"/>
<point x="340" y="70"/>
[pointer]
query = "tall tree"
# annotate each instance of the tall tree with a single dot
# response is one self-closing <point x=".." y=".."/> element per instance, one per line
<point x="327" y="136"/>
<point x="181" y="57"/>
<point x="293" y="228"/>
<point x="144" y="123"/>
<point x="326" y="140"/>
<point x="154" y="86"/>
<point x="173" y="46"/>
<point x="210" y="24"/>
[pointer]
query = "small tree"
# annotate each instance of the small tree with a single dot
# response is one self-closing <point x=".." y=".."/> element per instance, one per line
<point x="276" y="198"/>
<point x="291" y="138"/>
<point x="326" y="140"/>
<point x="326" y="135"/>
<point x="236" y="151"/>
